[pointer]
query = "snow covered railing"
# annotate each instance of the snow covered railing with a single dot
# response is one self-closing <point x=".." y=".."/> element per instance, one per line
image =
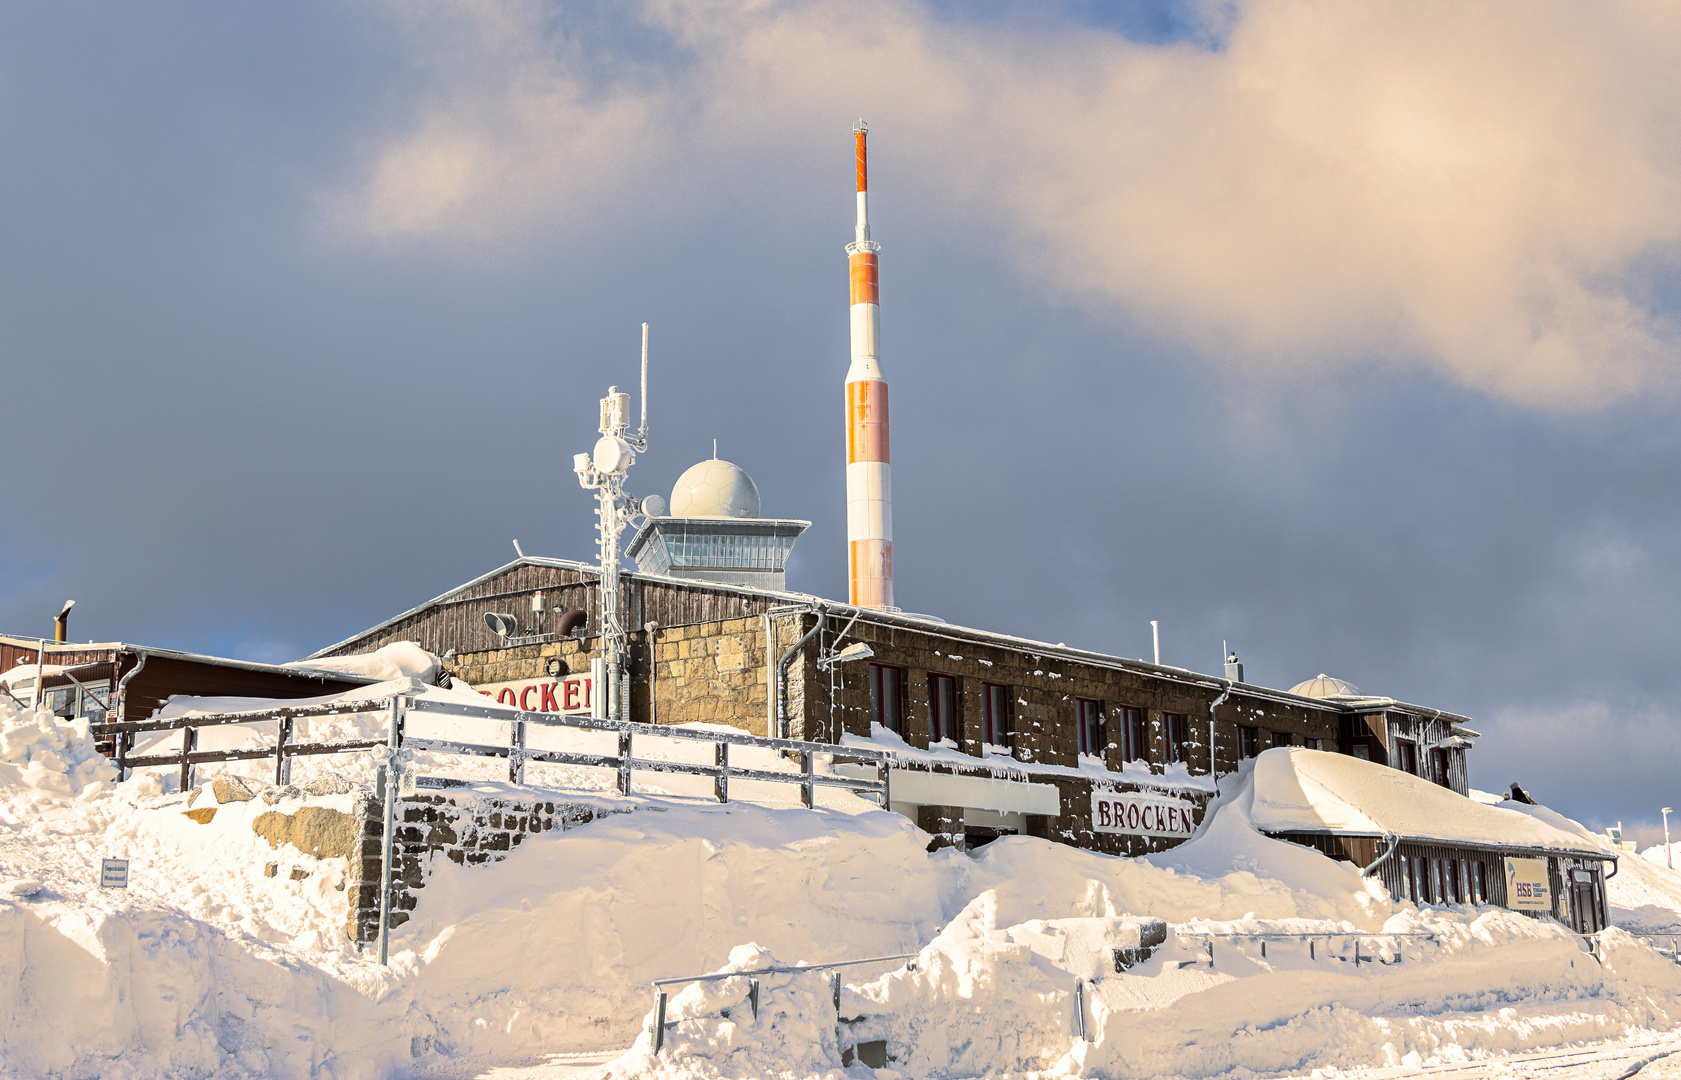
<point x="624" y="762"/>
<point x="1311" y="937"/>
<point x="751" y="974"/>
<point x="123" y="732"/>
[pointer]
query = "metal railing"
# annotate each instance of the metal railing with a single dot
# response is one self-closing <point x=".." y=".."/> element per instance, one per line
<point x="1311" y="937"/>
<point x="399" y="706"/>
<point x="660" y="1023"/>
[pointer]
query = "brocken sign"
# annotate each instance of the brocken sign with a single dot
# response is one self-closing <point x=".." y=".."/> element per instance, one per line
<point x="1141" y="815"/>
<point x="568" y="695"/>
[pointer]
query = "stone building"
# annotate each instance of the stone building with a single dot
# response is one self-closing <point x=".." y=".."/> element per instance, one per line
<point x="992" y="734"/>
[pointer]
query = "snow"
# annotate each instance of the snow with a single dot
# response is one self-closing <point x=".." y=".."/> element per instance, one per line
<point x="399" y="660"/>
<point x="1318" y="791"/>
<point x="211" y="965"/>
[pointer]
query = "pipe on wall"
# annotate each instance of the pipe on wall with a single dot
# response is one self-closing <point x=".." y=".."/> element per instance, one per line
<point x="653" y="629"/>
<point x="782" y="670"/>
<point x="1213" y="762"/>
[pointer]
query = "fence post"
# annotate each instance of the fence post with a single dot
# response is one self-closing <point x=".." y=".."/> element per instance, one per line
<point x="1080" y="1008"/>
<point x="808" y="788"/>
<point x="1357" y="954"/>
<point x="516" y="752"/>
<point x="122" y="756"/>
<point x="834" y="995"/>
<point x="882" y="775"/>
<point x="1263" y="948"/>
<point x="189" y="742"/>
<point x="1310" y="955"/>
<point x="624" y="760"/>
<point x="1211" y="953"/>
<point x="753" y="996"/>
<point x="721" y="782"/>
<point x="282" y="767"/>
<point x="395" y="741"/>
<point x="659" y="1023"/>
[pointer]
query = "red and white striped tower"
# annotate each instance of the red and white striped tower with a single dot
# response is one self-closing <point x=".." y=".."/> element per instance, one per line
<point x="869" y="493"/>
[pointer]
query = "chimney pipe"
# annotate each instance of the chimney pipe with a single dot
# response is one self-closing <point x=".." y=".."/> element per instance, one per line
<point x="61" y="625"/>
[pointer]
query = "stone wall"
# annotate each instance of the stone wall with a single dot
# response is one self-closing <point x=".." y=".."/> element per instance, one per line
<point x="462" y="826"/>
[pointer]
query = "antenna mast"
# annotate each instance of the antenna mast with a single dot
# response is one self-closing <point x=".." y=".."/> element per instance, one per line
<point x="615" y="452"/>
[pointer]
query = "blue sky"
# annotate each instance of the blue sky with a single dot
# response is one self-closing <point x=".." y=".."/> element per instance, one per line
<point x="1343" y="333"/>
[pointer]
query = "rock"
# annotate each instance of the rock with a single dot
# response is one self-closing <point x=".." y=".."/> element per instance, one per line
<point x="272" y="795"/>
<point x="315" y="830"/>
<point x="229" y="789"/>
<point x="202" y="815"/>
<point x="328" y="785"/>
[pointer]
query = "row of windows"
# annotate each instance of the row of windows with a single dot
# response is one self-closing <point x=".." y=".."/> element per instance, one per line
<point x="1249" y="740"/>
<point x="1124" y="724"/>
<point x="1435" y="764"/>
<point x="1445" y="881"/>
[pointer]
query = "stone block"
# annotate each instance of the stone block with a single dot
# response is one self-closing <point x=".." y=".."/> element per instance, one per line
<point x="315" y="830"/>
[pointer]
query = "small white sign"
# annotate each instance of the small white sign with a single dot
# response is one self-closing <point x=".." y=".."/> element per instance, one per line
<point x="1136" y="814"/>
<point x="1526" y="885"/>
<point x="113" y="874"/>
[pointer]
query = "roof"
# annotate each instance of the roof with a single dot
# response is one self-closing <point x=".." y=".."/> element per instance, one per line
<point x="1314" y="791"/>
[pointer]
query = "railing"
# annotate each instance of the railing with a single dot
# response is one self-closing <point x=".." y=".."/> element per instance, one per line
<point x="518" y="753"/>
<point x="753" y="986"/>
<point x="1311" y="938"/>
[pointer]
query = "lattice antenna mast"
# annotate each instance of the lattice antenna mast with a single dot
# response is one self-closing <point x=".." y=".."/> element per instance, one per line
<point x="614" y="454"/>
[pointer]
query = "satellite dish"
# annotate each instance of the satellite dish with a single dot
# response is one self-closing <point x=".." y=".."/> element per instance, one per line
<point x="501" y="625"/>
<point x="654" y="506"/>
<point x="613" y="456"/>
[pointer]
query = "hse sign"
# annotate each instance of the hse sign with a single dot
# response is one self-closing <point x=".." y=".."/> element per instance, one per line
<point x="565" y="695"/>
<point x="1526" y="885"/>
<point x="1141" y="815"/>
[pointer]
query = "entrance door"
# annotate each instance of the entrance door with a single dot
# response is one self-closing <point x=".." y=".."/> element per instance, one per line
<point x="1584" y="902"/>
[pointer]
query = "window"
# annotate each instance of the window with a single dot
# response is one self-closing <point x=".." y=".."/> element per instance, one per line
<point x="1248" y="741"/>
<point x="1406" y="756"/>
<point x="995" y="719"/>
<point x="1478" y="881"/>
<point x="1135" y="740"/>
<point x="1439" y="767"/>
<point x="1089" y="726"/>
<point x="1361" y="751"/>
<point x="1446" y="874"/>
<point x="1312" y="744"/>
<point x="1283" y="738"/>
<point x="884" y="698"/>
<point x="942" y="708"/>
<point x="1173" y="725"/>
<point x="1418" y="881"/>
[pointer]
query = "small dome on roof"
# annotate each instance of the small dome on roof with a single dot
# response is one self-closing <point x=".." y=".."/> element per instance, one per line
<point x="1326" y="687"/>
<point x="715" y="489"/>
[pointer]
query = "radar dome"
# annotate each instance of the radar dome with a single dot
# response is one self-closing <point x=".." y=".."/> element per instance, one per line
<point x="715" y="489"/>
<point x="1326" y="687"/>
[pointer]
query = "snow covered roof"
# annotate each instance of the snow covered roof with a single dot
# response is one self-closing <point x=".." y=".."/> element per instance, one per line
<point x="1314" y="791"/>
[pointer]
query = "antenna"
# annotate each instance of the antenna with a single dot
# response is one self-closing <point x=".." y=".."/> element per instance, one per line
<point x="714" y="449"/>
<point x="642" y="435"/>
<point x="517" y="550"/>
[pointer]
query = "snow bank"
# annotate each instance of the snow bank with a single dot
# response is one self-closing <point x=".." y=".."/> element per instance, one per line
<point x="38" y="750"/>
<point x="398" y="660"/>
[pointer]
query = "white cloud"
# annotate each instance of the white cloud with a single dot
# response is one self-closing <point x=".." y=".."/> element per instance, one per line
<point x="1477" y="189"/>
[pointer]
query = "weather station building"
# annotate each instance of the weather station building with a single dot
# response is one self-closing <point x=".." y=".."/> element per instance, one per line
<point x="991" y="734"/>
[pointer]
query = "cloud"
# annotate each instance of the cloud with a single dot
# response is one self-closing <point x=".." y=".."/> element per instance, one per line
<point x="1486" y="192"/>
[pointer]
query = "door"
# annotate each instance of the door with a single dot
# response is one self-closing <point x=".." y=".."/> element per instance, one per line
<point x="1584" y="902"/>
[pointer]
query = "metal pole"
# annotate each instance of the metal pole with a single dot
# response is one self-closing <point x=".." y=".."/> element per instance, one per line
<point x="1156" y="639"/>
<point x="388" y="833"/>
<point x="659" y="1023"/>
<point x="1669" y="856"/>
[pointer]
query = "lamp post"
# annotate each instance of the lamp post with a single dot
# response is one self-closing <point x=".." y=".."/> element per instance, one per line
<point x="1669" y="856"/>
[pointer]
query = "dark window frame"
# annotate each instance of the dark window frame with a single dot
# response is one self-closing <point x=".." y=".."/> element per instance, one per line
<point x="1439" y="767"/>
<point x="1088" y="726"/>
<point x="879" y="698"/>
<point x="1135" y="734"/>
<point x="995" y="714"/>
<point x="1174" y="738"/>
<point x="943" y="725"/>
<point x="1406" y="756"/>
<point x="1248" y="742"/>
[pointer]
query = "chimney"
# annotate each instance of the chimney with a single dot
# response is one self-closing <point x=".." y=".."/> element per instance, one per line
<point x="1234" y="667"/>
<point x="61" y="625"/>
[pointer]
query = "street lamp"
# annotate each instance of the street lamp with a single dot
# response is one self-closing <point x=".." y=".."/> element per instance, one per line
<point x="1669" y="856"/>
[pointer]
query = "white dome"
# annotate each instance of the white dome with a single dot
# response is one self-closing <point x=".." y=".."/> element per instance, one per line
<point x="1326" y="687"/>
<point x="715" y="489"/>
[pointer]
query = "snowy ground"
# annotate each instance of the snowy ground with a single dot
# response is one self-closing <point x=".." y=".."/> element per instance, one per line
<point x="225" y="957"/>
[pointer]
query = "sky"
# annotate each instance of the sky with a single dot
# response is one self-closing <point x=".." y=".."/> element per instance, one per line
<point x="1346" y="334"/>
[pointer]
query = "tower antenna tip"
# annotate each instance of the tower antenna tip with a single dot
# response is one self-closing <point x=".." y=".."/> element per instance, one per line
<point x="860" y="125"/>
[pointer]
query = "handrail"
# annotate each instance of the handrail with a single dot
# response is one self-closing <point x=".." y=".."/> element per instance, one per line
<point x="779" y="969"/>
